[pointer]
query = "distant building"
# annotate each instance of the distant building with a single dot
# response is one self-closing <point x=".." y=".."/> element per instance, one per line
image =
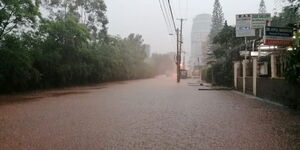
<point x="199" y="37"/>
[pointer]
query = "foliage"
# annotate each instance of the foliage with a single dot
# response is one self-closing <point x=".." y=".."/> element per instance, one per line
<point x="292" y="72"/>
<point x="66" y="49"/>
<point x="225" y="53"/>
<point x="206" y="74"/>
<point x="262" y="7"/>
<point x="293" y="2"/>
<point x="59" y="56"/>
<point x="17" y="13"/>
<point x="217" y="19"/>
<point x="216" y="27"/>
<point x="226" y="41"/>
<point x="290" y="15"/>
<point x="223" y="72"/>
<point x="163" y="63"/>
<point x="91" y="13"/>
<point x="16" y="71"/>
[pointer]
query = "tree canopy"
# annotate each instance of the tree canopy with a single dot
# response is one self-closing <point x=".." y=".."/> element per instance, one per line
<point x="69" y="46"/>
<point x="217" y="19"/>
<point x="216" y="27"/>
<point x="17" y="13"/>
<point x="262" y="7"/>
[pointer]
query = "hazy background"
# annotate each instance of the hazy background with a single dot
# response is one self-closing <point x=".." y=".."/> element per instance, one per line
<point x="145" y="17"/>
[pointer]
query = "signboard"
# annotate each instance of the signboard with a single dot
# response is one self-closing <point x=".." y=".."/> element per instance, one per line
<point x="258" y="21"/>
<point x="245" y="53"/>
<point x="278" y="36"/>
<point x="243" y="25"/>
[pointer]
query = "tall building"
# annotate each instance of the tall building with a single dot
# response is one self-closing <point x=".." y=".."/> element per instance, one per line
<point x="199" y="37"/>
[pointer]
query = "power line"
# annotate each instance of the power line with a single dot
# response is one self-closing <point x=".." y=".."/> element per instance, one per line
<point x="179" y="37"/>
<point x="171" y="11"/>
<point x="168" y="14"/>
<point x="167" y="21"/>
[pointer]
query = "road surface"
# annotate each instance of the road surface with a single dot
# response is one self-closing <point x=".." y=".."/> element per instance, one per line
<point x="144" y="114"/>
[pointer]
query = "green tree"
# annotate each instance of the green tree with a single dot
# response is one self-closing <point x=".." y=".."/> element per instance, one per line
<point x="60" y="56"/>
<point x="217" y="19"/>
<point x="133" y="54"/>
<point x="292" y="72"/>
<point x="16" y="70"/>
<point x="91" y="13"/>
<point x="225" y="40"/>
<point x="17" y="13"/>
<point x="217" y="25"/>
<point x="69" y="47"/>
<point x="162" y="63"/>
<point x="262" y="7"/>
<point x="225" y="53"/>
<point x="289" y="15"/>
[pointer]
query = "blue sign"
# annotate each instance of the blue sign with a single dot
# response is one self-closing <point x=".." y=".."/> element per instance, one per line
<point x="278" y="31"/>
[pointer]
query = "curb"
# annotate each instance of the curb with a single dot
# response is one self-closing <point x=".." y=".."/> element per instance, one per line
<point x="259" y="99"/>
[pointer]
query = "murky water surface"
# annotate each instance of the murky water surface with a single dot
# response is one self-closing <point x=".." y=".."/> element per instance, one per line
<point x="144" y="114"/>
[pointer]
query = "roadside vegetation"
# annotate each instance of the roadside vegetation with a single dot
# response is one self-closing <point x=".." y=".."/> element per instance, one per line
<point x="224" y="46"/>
<point x="55" y="43"/>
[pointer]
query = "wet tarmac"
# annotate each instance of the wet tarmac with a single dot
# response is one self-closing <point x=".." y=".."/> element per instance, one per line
<point x="145" y="114"/>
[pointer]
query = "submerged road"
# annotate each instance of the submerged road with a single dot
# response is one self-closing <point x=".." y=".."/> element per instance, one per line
<point x="145" y="114"/>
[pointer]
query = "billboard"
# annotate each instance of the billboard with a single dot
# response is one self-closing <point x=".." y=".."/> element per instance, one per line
<point x="258" y="21"/>
<point x="243" y="25"/>
<point x="278" y="36"/>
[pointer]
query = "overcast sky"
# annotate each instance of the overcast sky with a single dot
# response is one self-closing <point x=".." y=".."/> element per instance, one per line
<point x="145" y="17"/>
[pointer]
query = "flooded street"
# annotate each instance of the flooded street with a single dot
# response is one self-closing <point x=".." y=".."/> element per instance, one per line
<point x="145" y="114"/>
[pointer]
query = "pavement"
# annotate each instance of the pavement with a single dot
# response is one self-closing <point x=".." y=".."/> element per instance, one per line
<point x="156" y="114"/>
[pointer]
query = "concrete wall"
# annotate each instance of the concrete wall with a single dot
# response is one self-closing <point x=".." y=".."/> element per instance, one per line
<point x="249" y="85"/>
<point x="240" y="84"/>
<point x="278" y="90"/>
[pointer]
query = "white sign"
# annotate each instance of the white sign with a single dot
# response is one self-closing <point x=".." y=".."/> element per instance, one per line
<point x="259" y="21"/>
<point x="243" y="53"/>
<point x="243" y="25"/>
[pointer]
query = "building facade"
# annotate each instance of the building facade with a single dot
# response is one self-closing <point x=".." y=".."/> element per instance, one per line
<point x="199" y="39"/>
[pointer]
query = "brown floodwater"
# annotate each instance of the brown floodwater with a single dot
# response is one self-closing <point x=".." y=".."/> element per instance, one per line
<point x="145" y="114"/>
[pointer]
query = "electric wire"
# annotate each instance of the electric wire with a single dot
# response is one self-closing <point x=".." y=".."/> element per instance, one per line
<point x="167" y="11"/>
<point x="172" y="15"/>
<point x="168" y="15"/>
<point x="167" y="21"/>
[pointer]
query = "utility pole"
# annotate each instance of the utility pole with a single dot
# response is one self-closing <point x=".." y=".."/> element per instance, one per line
<point x="244" y="67"/>
<point x="179" y="49"/>
<point x="178" y="56"/>
<point x="183" y="61"/>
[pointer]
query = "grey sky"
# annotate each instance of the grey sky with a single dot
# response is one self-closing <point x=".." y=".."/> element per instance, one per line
<point x="145" y="17"/>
